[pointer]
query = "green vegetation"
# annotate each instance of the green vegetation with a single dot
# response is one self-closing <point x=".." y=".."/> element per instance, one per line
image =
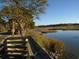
<point x="53" y="28"/>
<point x="2" y="25"/>
<point x="1" y="38"/>
<point x="49" y="45"/>
<point x="21" y="13"/>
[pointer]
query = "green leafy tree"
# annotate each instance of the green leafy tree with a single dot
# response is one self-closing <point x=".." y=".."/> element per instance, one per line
<point x="22" y="12"/>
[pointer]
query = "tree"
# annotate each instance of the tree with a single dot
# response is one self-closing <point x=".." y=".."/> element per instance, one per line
<point x="2" y="25"/>
<point x="22" y="12"/>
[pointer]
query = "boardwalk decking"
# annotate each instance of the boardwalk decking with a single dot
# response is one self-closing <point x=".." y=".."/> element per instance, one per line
<point x="14" y="48"/>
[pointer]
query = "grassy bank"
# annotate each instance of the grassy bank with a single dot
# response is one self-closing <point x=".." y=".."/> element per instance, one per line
<point x="49" y="45"/>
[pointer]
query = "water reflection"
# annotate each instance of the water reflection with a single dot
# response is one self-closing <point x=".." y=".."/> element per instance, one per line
<point x="70" y="39"/>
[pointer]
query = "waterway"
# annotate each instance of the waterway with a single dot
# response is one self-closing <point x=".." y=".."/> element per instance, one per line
<point x="71" y="42"/>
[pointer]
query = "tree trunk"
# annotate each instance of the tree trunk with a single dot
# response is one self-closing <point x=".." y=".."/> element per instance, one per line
<point x="13" y="27"/>
<point x="19" y="28"/>
<point x="23" y="30"/>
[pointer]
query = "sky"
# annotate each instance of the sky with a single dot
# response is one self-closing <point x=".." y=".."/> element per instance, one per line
<point x="60" y="11"/>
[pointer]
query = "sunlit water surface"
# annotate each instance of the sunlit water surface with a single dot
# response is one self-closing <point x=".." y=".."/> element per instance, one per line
<point x="70" y="39"/>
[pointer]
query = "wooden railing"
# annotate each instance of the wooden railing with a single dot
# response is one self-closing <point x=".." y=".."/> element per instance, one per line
<point x="15" y="47"/>
<point x="38" y="52"/>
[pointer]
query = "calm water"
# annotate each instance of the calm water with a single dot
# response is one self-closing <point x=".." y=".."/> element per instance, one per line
<point x="71" y="41"/>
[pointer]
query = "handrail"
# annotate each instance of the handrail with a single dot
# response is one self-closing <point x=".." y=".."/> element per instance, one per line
<point x="1" y="47"/>
<point x="38" y="52"/>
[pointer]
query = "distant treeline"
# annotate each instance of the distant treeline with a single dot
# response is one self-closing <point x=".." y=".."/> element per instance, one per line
<point x="56" y="25"/>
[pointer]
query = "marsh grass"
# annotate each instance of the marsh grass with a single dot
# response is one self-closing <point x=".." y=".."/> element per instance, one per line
<point x="49" y="45"/>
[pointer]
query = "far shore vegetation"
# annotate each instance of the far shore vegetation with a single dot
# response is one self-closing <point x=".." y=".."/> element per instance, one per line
<point x="55" y="27"/>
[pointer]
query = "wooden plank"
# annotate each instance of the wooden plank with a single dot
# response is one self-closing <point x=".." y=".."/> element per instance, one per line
<point x="16" y="42"/>
<point x="10" y="38"/>
<point x="24" y="51"/>
<point x="16" y="46"/>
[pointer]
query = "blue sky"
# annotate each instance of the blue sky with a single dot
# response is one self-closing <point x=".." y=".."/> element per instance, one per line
<point x="60" y="11"/>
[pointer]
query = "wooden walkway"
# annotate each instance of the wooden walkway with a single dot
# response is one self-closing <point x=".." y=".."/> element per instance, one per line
<point x="17" y="48"/>
<point x="38" y="52"/>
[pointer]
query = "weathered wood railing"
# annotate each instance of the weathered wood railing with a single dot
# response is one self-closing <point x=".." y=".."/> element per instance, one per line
<point x="38" y="52"/>
<point x="15" y="47"/>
